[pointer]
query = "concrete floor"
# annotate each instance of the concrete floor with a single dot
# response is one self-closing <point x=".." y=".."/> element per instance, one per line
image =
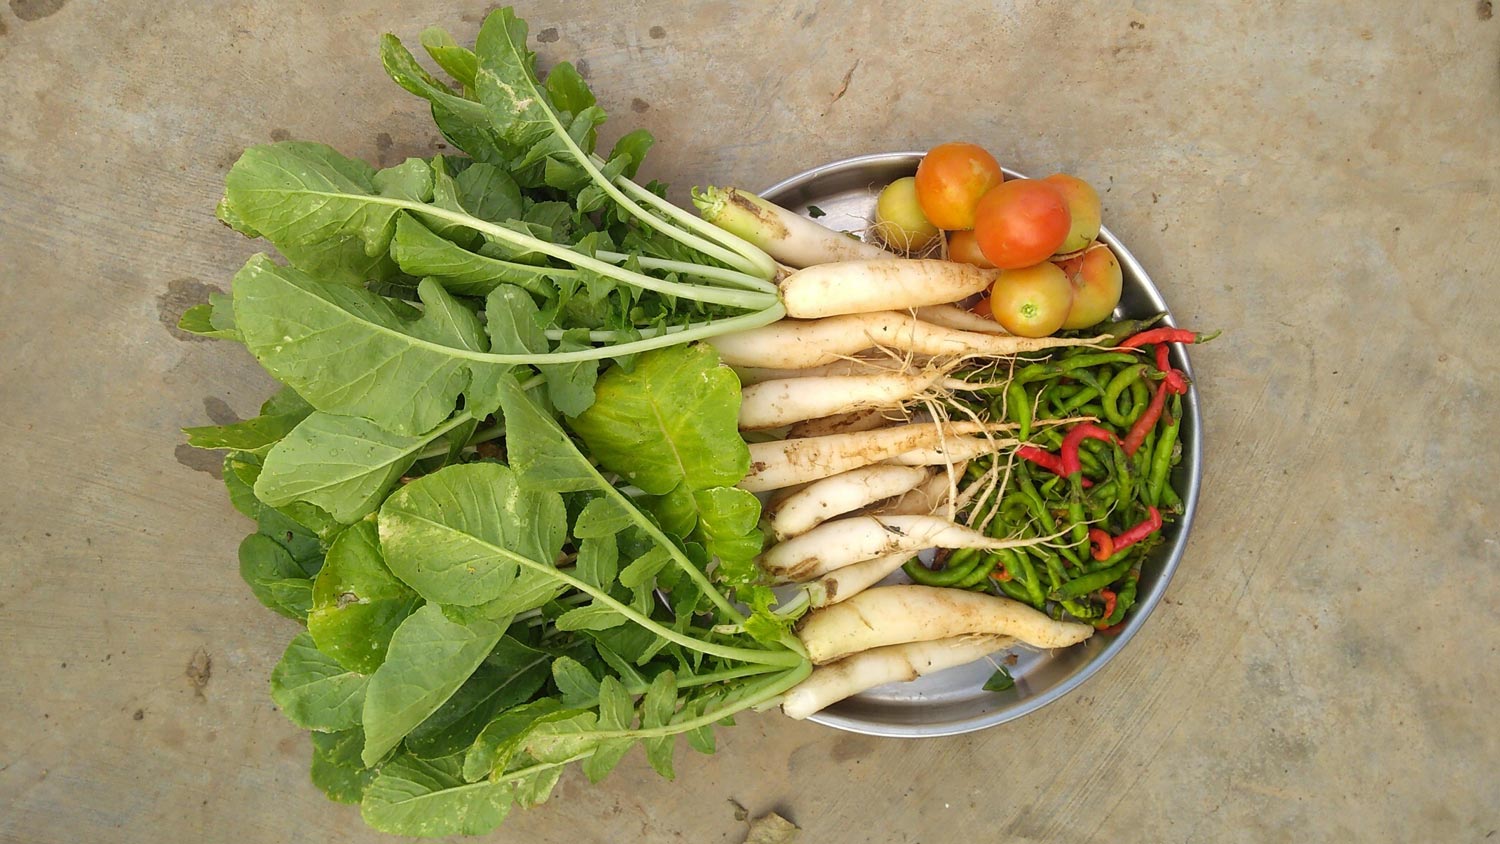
<point x="1316" y="178"/>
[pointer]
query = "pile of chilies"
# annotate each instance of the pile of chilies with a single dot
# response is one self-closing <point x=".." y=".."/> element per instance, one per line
<point x="1104" y="483"/>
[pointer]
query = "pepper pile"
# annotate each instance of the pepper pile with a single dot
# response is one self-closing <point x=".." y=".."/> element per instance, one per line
<point x="1100" y="485"/>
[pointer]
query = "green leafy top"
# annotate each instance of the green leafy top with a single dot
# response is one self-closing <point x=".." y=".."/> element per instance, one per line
<point x="499" y="486"/>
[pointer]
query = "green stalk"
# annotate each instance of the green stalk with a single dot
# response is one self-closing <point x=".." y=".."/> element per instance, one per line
<point x="701" y="331"/>
<point x="606" y="336"/>
<point x="734" y="278"/>
<point x="650" y="528"/>
<point x="764" y="262"/>
<point x="688" y="239"/>
<point x="785" y="658"/>
<point x="771" y="689"/>
<point x="749" y="300"/>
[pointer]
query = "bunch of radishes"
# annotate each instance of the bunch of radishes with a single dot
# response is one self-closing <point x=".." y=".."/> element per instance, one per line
<point x="858" y="453"/>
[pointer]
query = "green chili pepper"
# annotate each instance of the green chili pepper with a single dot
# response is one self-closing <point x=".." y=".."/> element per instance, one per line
<point x="1118" y="331"/>
<point x="1124" y="598"/>
<point x="1056" y="576"/>
<point x="1093" y="566"/>
<point x="1082" y="611"/>
<point x="1021" y="571"/>
<point x="959" y="566"/>
<point x="980" y="572"/>
<point x="1140" y="399"/>
<point x="1080" y="586"/>
<point x="1018" y="408"/>
<point x="1077" y="400"/>
<point x="1118" y="384"/>
<point x="1070" y="366"/>
<point x="1161" y="461"/>
<point x="1013" y="590"/>
<point x="1169" y="497"/>
<point x="1124" y="478"/>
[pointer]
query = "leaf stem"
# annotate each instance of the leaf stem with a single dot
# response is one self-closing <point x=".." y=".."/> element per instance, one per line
<point x="765" y="265"/>
<point x="686" y="238"/>
<point x="714" y="295"/>
<point x="687" y="268"/>
<point x="656" y="628"/>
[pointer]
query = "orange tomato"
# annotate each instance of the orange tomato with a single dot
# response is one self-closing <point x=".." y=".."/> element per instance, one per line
<point x="950" y="181"/>
<point x="1096" y="281"/>
<point x="1083" y="208"/>
<point x="1031" y="301"/>
<point x="962" y="247"/>
<point x="1021" y="223"/>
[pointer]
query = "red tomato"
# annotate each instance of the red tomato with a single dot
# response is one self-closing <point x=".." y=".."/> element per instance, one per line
<point x="1031" y="301"/>
<point x="962" y="247"/>
<point x="1096" y="281"/>
<point x="950" y="181"/>
<point x="982" y="308"/>
<point x="1021" y="223"/>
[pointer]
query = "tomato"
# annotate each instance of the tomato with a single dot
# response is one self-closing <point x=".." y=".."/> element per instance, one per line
<point x="950" y="181"/>
<point x="963" y="248"/>
<point x="1083" y="208"/>
<point x="982" y="308"/>
<point x="1021" y="223"/>
<point x="1031" y="301"/>
<point x="899" y="222"/>
<point x="1096" y="280"/>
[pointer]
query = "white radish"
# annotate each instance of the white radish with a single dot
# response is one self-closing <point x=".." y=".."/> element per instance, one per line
<point x="800" y="344"/>
<point x="926" y="498"/>
<point x="842" y="584"/>
<point x="867" y="365"/>
<point x="952" y="316"/>
<point x="858" y="287"/>
<point x="782" y="463"/>
<point x="843" y="493"/>
<point x="831" y="683"/>
<point x="911" y="613"/>
<point x="841" y="542"/>
<point x="843" y="423"/>
<point x="774" y="404"/>
<point x="953" y="450"/>
<point x="793" y="240"/>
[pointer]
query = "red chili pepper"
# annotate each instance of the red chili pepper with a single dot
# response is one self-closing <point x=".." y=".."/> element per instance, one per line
<point x="1045" y="459"/>
<point x="1109" y="605"/>
<point x="1074" y="438"/>
<point x="1103" y="545"/>
<point x="1137" y="433"/>
<point x="1174" y="381"/>
<point x="1151" y="525"/>
<point x="1160" y="335"/>
<point x="1113" y="630"/>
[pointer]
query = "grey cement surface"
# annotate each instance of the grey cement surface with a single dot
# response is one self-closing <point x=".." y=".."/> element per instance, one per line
<point x="1316" y="178"/>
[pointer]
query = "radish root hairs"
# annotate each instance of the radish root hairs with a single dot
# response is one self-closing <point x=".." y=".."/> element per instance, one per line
<point x="842" y="542"/>
<point x="782" y="463"/>
<point x="801" y="344"/>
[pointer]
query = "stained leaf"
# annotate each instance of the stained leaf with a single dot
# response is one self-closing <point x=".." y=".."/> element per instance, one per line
<point x="357" y="602"/>
<point x="471" y="534"/>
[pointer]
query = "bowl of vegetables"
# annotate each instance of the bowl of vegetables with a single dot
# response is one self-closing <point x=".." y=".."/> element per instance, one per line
<point x="842" y="195"/>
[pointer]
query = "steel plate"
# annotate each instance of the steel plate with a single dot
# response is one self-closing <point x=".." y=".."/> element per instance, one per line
<point x="953" y="701"/>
